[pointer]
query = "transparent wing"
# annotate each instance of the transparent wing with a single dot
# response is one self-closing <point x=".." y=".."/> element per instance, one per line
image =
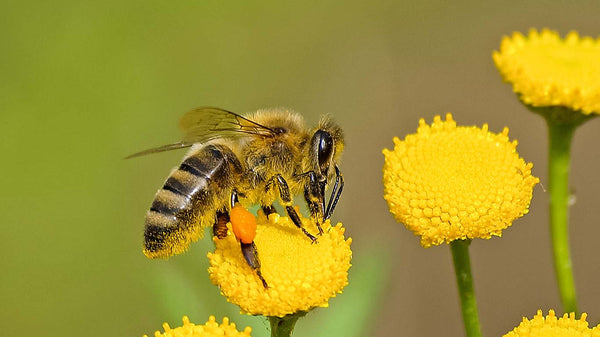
<point x="203" y="124"/>
<point x="207" y="123"/>
<point x="168" y="147"/>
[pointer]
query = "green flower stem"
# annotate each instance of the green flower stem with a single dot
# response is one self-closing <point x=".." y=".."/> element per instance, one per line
<point x="559" y="156"/>
<point x="464" y="279"/>
<point x="562" y="123"/>
<point x="284" y="326"/>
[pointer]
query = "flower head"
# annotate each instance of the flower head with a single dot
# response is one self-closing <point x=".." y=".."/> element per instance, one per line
<point x="209" y="329"/>
<point x="547" y="71"/>
<point x="551" y="326"/>
<point x="447" y="182"/>
<point x="301" y="275"/>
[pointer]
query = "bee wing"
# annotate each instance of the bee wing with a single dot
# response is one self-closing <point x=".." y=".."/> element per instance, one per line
<point x="207" y="123"/>
<point x="168" y="147"/>
<point x="203" y="124"/>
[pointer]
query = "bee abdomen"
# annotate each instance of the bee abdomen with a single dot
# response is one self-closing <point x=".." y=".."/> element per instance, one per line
<point x="188" y="198"/>
<point x="168" y="203"/>
<point x="216" y="162"/>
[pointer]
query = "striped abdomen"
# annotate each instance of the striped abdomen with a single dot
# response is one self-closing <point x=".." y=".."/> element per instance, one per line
<point x="188" y="200"/>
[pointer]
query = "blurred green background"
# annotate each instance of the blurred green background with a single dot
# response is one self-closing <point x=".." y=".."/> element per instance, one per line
<point x="85" y="83"/>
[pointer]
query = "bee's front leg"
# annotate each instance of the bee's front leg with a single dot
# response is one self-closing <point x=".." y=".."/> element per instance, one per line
<point x="314" y="194"/>
<point x="286" y="201"/>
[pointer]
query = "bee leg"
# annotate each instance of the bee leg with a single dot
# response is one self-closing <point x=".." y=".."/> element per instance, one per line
<point x="234" y="198"/>
<point x="335" y="193"/>
<point x="268" y="210"/>
<point x="286" y="200"/>
<point x="220" y="226"/>
<point x="249" y="250"/>
<point x="251" y="255"/>
<point x="314" y="195"/>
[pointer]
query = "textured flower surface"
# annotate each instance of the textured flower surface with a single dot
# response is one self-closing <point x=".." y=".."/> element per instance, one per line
<point x="546" y="70"/>
<point x="300" y="275"/>
<point x="209" y="329"/>
<point x="446" y="182"/>
<point x="552" y="326"/>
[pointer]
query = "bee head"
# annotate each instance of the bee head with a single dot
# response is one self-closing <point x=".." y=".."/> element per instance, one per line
<point x="326" y="147"/>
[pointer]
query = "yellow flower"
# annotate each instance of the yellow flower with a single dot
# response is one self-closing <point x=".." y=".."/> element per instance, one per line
<point x="547" y="71"/>
<point x="446" y="182"/>
<point x="551" y="326"/>
<point x="209" y="329"/>
<point x="300" y="275"/>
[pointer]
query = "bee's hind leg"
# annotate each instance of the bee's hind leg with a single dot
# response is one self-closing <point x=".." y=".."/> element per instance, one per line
<point x="286" y="200"/>
<point x="251" y="255"/>
<point x="249" y="250"/>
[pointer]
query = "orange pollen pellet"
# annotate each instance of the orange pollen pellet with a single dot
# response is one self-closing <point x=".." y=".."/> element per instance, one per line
<point x="243" y="223"/>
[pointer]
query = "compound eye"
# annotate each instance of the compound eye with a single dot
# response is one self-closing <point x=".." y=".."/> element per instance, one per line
<point x="325" y="148"/>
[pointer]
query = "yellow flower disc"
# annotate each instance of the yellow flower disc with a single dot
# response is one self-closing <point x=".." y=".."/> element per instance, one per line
<point x="446" y="182"/>
<point x="301" y="275"/>
<point x="210" y="329"/>
<point x="546" y="70"/>
<point x="551" y="326"/>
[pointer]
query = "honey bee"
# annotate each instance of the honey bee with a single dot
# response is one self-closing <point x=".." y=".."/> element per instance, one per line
<point x="258" y="158"/>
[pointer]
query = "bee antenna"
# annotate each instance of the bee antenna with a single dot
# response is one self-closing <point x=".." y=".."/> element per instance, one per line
<point x="335" y="193"/>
